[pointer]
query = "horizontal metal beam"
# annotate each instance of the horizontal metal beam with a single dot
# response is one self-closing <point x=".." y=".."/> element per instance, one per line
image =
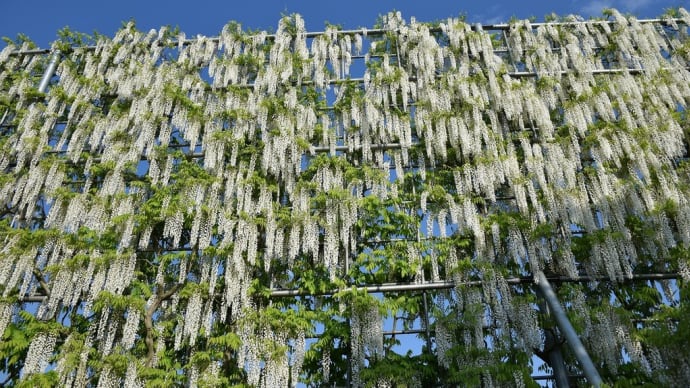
<point x="388" y="333"/>
<point x="552" y="377"/>
<point x="376" y="32"/>
<point x="404" y="287"/>
<point x="33" y="299"/>
<point x="316" y="149"/>
<point x="439" y="285"/>
<point x="506" y="26"/>
<point x="373" y="288"/>
<point x="514" y="74"/>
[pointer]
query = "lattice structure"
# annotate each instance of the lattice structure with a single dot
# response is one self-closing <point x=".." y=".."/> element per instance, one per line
<point x="266" y="209"/>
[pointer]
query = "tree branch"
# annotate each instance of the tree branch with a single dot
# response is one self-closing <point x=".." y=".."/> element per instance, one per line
<point x="161" y="296"/>
<point x="39" y="276"/>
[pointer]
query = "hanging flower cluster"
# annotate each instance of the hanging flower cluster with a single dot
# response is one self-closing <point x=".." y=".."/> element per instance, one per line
<point x="162" y="188"/>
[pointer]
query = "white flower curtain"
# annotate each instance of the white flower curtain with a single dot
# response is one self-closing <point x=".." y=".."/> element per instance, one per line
<point x="164" y="186"/>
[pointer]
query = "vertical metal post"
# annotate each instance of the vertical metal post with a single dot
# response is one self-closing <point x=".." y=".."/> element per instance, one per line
<point x="50" y="71"/>
<point x="426" y="323"/>
<point x="568" y="331"/>
<point x="347" y="260"/>
<point x="552" y="354"/>
<point x="348" y="378"/>
<point x="555" y="360"/>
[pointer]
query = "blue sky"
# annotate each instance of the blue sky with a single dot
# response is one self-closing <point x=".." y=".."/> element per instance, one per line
<point x="41" y="19"/>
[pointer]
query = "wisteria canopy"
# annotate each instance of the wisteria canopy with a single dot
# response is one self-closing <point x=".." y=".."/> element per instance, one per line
<point x="273" y="209"/>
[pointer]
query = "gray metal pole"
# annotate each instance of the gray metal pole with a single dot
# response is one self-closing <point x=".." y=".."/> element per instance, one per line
<point x="50" y="71"/>
<point x="569" y="332"/>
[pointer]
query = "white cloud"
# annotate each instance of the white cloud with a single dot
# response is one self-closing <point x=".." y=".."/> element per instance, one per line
<point x="594" y="7"/>
<point x="492" y="15"/>
<point x="634" y="5"/>
<point x="497" y="20"/>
